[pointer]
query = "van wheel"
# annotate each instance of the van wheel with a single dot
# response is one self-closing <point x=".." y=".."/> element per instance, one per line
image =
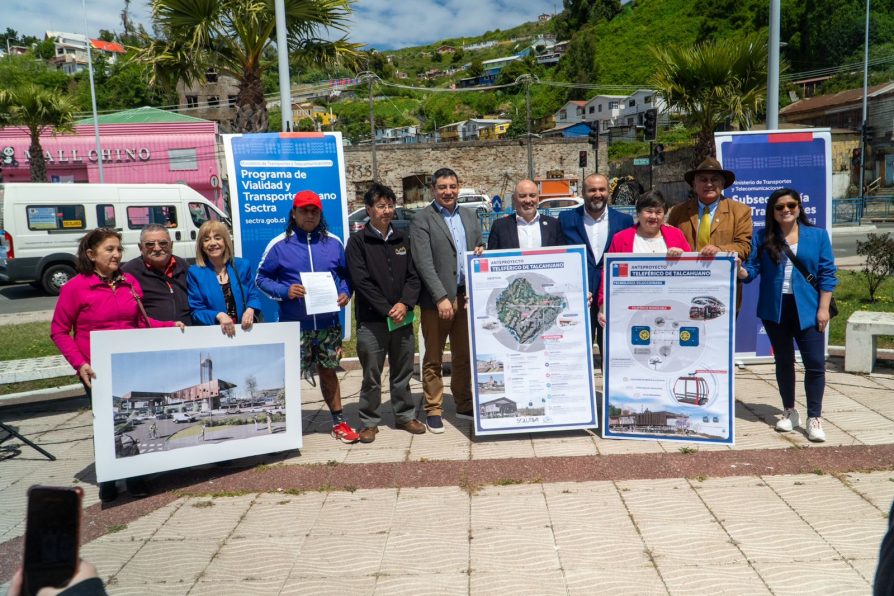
<point x="54" y="277"/>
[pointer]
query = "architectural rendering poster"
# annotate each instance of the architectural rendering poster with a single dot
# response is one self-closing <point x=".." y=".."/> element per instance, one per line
<point x="764" y="162"/>
<point x="165" y="399"/>
<point x="669" y="348"/>
<point x="265" y="172"/>
<point x="532" y="369"/>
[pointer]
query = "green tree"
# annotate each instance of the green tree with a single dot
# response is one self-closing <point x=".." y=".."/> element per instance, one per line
<point x="713" y="83"/>
<point x="579" y="13"/>
<point x="235" y="38"/>
<point x="476" y="69"/>
<point x="579" y="64"/>
<point x="39" y="110"/>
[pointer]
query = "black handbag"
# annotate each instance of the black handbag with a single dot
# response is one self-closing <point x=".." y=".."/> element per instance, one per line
<point x="833" y="308"/>
<point x="259" y="314"/>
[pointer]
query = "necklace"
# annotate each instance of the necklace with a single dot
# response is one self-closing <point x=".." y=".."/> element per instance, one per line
<point x="222" y="276"/>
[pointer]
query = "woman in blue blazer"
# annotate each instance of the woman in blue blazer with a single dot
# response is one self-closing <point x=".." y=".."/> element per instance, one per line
<point x="221" y="287"/>
<point x="789" y="306"/>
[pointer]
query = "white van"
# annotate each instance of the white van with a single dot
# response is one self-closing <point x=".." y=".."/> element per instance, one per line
<point x="42" y="223"/>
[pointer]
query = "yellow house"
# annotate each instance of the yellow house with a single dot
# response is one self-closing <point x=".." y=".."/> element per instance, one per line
<point x="451" y="132"/>
<point x="494" y="129"/>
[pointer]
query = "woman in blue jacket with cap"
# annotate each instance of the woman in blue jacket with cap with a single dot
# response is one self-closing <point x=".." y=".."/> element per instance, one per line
<point x="789" y="305"/>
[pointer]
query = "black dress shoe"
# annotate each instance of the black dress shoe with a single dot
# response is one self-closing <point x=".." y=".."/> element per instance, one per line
<point x="137" y="487"/>
<point x="108" y="492"/>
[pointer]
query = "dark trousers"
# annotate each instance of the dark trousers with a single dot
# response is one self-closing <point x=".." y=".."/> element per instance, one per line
<point x="374" y="342"/>
<point x="811" y="342"/>
<point x="596" y="329"/>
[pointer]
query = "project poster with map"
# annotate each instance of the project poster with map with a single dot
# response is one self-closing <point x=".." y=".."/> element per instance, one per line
<point x="529" y="327"/>
<point x="669" y="348"/>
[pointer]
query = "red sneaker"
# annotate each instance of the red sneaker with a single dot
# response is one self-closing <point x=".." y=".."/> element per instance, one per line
<point x="344" y="433"/>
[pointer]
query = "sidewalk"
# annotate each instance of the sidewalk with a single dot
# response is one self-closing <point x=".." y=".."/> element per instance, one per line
<point x="564" y="513"/>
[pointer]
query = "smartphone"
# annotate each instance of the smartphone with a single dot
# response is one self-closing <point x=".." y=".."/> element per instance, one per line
<point x="52" y="536"/>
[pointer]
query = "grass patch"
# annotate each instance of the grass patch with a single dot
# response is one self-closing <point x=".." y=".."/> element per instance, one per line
<point x="116" y="528"/>
<point x="851" y="295"/>
<point x="27" y="340"/>
<point x="688" y="450"/>
<point x="203" y="504"/>
<point x="10" y="388"/>
<point x="509" y="482"/>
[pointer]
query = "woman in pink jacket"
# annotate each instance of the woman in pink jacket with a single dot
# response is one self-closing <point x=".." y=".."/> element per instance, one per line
<point x="648" y="235"/>
<point x="100" y="298"/>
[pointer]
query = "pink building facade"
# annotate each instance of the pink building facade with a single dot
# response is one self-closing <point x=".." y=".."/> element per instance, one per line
<point x="165" y="152"/>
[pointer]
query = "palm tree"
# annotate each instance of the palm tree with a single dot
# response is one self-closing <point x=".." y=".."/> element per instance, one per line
<point x="234" y="37"/>
<point x="39" y="110"/>
<point x="713" y="83"/>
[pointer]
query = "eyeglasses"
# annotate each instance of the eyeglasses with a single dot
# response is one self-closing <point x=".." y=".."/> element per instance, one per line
<point x="158" y="243"/>
<point x="790" y="206"/>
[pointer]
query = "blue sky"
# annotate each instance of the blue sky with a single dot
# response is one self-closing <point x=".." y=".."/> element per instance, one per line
<point x="170" y="370"/>
<point x="384" y="24"/>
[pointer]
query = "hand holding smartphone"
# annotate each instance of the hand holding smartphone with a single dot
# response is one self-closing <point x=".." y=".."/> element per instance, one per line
<point x="52" y="537"/>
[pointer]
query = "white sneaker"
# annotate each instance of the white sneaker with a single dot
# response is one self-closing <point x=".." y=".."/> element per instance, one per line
<point x="790" y="420"/>
<point x="815" y="430"/>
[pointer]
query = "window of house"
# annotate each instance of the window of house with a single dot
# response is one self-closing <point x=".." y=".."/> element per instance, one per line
<point x="182" y="159"/>
<point x="632" y="103"/>
<point x="192" y="101"/>
<point x="648" y="99"/>
<point x="630" y="121"/>
<point x="211" y="76"/>
<point x="231" y="100"/>
<point x="140" y="217"/>
<point x="105" y="216"/>
<point x="56" y="217"/>
<point x="613" y="105"/>
<point x="600" y="107"/>
<point x="213" y="101"/>
<point x="592" y="109"/>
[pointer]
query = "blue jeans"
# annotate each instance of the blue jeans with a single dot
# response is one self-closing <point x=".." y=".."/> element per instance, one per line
<point x="811" y="342"/>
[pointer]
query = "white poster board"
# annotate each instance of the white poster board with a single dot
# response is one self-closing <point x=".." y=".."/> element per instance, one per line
<point x="669" y="342"/>
<point x="532" y="368"/>
<point x="165" y="399"/>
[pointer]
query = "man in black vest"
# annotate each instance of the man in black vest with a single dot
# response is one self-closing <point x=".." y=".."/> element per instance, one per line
<point x="162" y="276"/>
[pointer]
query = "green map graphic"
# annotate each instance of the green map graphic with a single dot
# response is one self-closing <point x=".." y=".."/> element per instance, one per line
<point x="525" y="313"/>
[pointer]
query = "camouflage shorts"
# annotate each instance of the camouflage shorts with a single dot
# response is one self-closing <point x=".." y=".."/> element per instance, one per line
<point x="319" y="347"/>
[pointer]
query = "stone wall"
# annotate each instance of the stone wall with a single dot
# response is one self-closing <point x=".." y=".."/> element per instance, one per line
<point x="492" y="167"/>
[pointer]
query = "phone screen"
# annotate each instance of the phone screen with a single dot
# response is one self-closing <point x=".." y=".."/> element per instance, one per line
<point x="51" y="536"/>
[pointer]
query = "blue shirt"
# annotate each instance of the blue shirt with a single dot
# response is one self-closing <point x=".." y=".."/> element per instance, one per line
<point x="712" y="209"/>
<point x="458" y="231"/>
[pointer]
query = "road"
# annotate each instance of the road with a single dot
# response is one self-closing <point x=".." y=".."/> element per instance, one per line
<point x="24" y="298"/>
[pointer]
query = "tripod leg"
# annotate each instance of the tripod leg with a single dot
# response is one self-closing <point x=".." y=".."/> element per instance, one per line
<point x="13" y="433"/>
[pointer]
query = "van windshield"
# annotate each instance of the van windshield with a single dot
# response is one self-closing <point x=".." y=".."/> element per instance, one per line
<point x="200" y="213"/>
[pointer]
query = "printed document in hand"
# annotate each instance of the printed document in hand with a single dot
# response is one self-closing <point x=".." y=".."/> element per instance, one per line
<point x="321" y="294"/>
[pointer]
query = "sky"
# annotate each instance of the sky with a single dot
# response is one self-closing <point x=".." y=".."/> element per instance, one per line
<point x="383" y="24"/>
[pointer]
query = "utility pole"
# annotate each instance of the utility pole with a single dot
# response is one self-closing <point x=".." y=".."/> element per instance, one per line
<point x="372" y="129"/>
<point x="282" y="53"/>
<point x="93" y="98"/>
<point x="865" y="111"/>
<point x="528" y="109"/>
<point x="773" y="68"/>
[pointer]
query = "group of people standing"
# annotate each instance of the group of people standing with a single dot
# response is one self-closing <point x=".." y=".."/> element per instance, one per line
<point x="391" y="273"/>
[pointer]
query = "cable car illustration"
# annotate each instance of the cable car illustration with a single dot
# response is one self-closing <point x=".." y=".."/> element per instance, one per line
<point x="705" y="308"/>
<point x="691" y="390"/>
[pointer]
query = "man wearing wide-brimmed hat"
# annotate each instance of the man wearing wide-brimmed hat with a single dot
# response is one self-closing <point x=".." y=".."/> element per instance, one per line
<point x="711" y="222"/>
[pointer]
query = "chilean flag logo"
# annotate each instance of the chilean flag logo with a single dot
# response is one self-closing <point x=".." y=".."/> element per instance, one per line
<point x="619" y="269"/>
<point x="481" y="266"/>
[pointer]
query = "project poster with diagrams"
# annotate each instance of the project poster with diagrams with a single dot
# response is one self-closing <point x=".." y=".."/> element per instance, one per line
<point x="529" y="326"/>
<point x="669" y="348"/>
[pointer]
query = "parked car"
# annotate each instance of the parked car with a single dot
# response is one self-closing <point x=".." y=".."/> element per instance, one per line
<point x="473" y="200"/>
<point x="182" y="417"/>
<point x="553" y="205"/>
<point x="401" y="222"/>
<point x="162" y="416"/>
<point x="357" y="219"/>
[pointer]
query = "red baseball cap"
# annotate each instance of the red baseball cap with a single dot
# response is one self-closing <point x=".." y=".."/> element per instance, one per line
<point x="306" y="198"/>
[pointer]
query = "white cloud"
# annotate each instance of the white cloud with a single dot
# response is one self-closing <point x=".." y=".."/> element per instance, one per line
<point x="36" y="17"/>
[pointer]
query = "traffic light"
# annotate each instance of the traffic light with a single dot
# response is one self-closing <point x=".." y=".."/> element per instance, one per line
<point x="594" y="133"/>
<point x="650" y="124"/>
<point x="658" y="154"/>
<point x="582" y="159"/>
<point x="868" y="132"/>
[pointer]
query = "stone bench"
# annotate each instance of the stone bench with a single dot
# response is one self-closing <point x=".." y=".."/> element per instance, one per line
<point x="860" y="339"/>
<point x="33" y="369"/>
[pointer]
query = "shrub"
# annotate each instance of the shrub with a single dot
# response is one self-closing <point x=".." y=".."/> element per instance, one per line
<point x="879" y="252"/>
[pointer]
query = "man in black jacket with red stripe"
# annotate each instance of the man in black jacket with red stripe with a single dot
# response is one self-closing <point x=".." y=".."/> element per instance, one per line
<point x="386" y="288"/>
<point x="162" y="276"/>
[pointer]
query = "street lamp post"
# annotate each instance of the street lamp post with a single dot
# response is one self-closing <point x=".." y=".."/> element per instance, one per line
<point x="93" y="97"/>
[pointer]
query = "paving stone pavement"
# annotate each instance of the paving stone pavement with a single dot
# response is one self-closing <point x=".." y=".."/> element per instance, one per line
<point x="742" y="526"/>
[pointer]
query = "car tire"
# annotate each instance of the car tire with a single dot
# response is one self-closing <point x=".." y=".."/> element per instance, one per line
<point x="56" y="276"/>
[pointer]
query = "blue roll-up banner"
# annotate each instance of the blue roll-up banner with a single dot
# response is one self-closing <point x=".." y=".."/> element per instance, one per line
<point x="764" y="162"/>
<point x="265" y="171"/>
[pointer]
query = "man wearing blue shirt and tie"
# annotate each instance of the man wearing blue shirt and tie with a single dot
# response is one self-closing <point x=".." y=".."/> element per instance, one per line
<point x="440" y="236"/>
